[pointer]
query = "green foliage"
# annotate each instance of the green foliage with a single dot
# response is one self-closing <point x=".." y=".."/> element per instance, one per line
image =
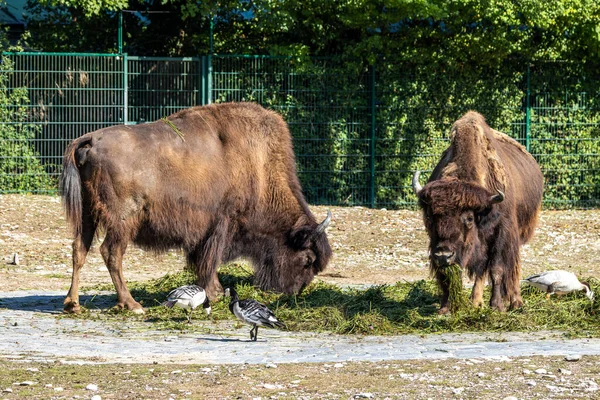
<point x="20" y="168"/>
<point x="403" y="308"/>
<point x="454" y="31"/>
<point x="89" y="7"/>
<point x="433" y="60"/>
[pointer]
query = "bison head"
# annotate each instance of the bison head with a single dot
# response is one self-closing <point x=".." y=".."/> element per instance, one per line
<point x="460" y="218"/>
<point x="304" y="253"/>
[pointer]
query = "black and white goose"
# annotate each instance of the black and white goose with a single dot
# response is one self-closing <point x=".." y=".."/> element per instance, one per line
<point x="188" y="297"/>
<point x="558" y="282"/>
<point x="252" y="312"/>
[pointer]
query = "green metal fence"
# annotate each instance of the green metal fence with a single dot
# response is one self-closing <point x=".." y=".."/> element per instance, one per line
<point x="359" y="131"/>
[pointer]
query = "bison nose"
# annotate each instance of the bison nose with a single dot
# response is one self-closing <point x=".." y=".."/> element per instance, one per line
<point x="443" y="257"/>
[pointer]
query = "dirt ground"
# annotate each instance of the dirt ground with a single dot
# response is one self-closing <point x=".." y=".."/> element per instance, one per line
<point x="370" y="246"/>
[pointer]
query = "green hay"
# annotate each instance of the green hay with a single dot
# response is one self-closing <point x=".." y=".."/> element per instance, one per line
<point x="457" y="297"/>
<point x="172" y="126"/>
<point x="403" y="308"/>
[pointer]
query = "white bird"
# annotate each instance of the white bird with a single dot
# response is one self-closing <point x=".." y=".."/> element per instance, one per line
<point x="188" y="297"/>
<point x="252" y="312"/>
<point x="558" y="282"/>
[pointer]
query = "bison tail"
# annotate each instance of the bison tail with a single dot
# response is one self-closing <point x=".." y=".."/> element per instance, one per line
<point x="70" y="185"/>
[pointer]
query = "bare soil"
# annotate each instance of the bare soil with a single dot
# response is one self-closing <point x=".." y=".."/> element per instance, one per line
<point x="424" y="379"/>
<point x="370" y="246"/>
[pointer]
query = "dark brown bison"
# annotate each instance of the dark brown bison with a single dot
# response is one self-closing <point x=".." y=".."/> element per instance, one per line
<point x="480" y="205"/>
<point x="217" y="181"/>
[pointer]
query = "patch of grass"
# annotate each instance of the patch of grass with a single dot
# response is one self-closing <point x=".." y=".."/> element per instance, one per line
<point x="403" y="308"/>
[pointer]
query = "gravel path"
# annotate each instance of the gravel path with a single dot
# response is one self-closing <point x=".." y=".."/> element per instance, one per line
<point x="30" y="328"/>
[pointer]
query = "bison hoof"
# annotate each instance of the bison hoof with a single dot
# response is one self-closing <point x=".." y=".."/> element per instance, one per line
<point x="444" y="311"/>
<point x="516" y="304"/>
<point x="72" y="308"/>
<point x="134" y="307"/>
<point x="498" y="306"/>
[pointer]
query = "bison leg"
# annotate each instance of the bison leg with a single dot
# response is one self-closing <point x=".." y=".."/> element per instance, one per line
<point x="477" y="293"/>
<point x="112" y="250"/>
<point x="207" y="257"/>
<point x="81" y="247"/>
<point x="497" y="275"/>
<point x="444" y="285"/>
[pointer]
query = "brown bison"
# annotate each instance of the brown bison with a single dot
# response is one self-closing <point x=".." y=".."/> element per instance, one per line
<point x="480" y="205"/>
<point x="217" y="181"/>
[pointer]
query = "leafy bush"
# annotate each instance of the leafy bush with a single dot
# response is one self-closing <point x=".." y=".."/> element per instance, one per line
<point x="20" y="168"/>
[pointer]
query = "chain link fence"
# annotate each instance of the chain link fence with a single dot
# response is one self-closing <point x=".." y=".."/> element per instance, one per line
<point x="359" y="131"/>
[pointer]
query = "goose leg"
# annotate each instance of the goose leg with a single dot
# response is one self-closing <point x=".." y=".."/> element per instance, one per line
<point x="190" y="316"/>
<point x="549" y="291"/>
<point x="255" y="332"/>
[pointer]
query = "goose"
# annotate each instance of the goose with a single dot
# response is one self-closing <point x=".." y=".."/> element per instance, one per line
<point x="558" y="282"/>
<point x="188" y="297"/>
<point x="252" y="313"/>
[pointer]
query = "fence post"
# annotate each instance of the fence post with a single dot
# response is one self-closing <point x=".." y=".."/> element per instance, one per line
<point x="372" y="106"/>
<point x="206" y="83"/>
<point x="528" y="110"/>
<point x="125" y="89"/>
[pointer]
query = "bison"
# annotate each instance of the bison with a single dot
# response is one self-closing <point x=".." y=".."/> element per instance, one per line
<point x="480" y="205"/>
<point x="217" y="181"/>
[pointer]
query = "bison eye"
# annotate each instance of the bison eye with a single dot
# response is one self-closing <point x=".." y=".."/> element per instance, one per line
<point x="469" y="221"/>
<point x="308" y="262"/>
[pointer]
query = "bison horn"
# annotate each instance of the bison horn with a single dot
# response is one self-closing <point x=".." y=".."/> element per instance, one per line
<point x="415" y="182"/>
<point x="323" y="225"/>
<point x="499" y="198"/>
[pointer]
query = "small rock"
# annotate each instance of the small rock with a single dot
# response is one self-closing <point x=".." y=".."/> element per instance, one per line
<point x="205" y="370"/>
<point x="39" y="268"/>
<point x="177" y="371"/>
<point x="96" y="397"/>
<point x="481" y="374"/>
<point x="552" y="388"/>
<point x="33" y="370"/>
<point x="7" y="390"/>
<point x="531" y="383"/>
<point x="271" y="365"/>
<point x="540" y="371"/>
<point x="269" y="386"/>
<point x="458" y="390"/>
<point x="26" y="383"/>
<point x="510" y="398"/>
<point x="58" y="389"/>
<point x="564" y="371"/>
<point x="49" y="385"/>
<point x="92" y="387"/>
<point x="573" y="357"/>
<point x="339" y="365"/>
<point x="526" y="372"/>
<point x="363" y="396"/>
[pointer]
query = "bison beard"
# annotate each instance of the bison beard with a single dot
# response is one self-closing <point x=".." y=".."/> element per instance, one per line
<point x="217" y="181"/>
<point x="480" y="205"/>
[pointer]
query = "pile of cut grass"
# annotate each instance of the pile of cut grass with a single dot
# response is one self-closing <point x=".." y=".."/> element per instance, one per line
<point x="403" y="308"/>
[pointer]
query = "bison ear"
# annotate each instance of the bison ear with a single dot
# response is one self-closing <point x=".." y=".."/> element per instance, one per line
<point x="299" y="238"/>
